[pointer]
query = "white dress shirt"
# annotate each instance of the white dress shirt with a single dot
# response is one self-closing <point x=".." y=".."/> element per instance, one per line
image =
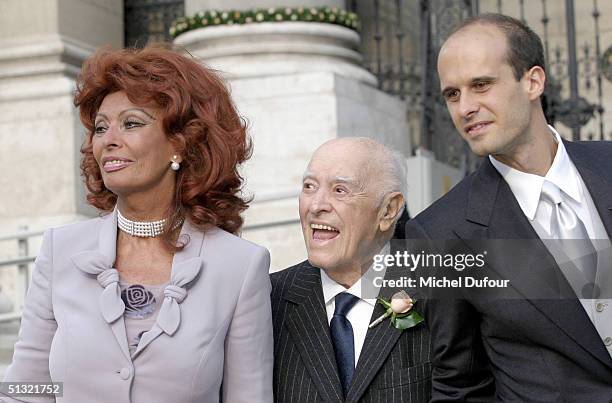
<point x="527" y="187"/>
<point x="360" y="314"/>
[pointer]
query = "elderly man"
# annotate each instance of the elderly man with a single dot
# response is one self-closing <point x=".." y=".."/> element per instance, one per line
<point x="350" y="200"/>
<point x="532" y="185"/>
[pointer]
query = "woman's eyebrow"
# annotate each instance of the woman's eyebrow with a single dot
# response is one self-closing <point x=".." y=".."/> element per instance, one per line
<point x="102" y="114"/>
<point x="137" y="109"/>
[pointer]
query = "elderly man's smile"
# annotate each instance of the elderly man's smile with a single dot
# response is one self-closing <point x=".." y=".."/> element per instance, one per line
<point x="323" y="233"/>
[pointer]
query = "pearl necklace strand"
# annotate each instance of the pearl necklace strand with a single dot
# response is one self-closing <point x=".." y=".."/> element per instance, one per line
<point x="148" y="229"/>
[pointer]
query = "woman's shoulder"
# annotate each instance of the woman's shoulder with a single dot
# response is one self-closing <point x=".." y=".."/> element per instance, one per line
<point x="77" y="231"/>
<point x="221" y="248"/>
<point x="84" y="225"/>
<point x="224" y="240"/>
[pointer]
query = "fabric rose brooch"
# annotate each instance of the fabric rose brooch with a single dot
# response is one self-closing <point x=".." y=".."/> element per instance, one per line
<point x="139" y="302"/>
<point x="400" y="310"/>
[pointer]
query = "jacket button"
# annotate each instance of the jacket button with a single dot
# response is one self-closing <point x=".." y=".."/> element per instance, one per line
<point x="125" y="373"/>
<point x="608" y="341"/>
<point x="599" y="307"/>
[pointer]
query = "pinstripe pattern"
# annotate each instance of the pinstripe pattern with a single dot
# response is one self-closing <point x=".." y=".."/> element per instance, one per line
<point x="393" y="366"/>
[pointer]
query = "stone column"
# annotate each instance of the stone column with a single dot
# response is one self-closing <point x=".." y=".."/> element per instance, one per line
<point x="298" y="84"/>
<point x="42" y="47"/>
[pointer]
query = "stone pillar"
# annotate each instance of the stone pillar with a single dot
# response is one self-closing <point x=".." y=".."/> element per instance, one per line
<point x="298" y="84"/>
<point x="42" y="47"/>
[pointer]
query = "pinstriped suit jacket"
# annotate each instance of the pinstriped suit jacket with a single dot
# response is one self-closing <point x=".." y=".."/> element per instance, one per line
<point x="393" y="365"/>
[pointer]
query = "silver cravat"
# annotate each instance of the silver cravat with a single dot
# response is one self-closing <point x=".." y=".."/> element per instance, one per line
<point x="569" y="230"/>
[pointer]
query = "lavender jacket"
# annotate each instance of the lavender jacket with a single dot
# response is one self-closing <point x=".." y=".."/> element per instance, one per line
<point x="212" y="340"/>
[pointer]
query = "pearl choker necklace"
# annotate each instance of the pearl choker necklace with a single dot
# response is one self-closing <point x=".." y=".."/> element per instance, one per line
<point x="149" y="229"/>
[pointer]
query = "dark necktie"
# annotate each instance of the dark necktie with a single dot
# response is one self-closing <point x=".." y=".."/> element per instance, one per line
<point x="342" y="338"/>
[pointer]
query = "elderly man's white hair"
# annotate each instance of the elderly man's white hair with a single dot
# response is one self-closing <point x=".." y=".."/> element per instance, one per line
<point x="391" y="164"/>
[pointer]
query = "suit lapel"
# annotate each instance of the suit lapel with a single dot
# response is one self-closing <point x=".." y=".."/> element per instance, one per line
<point x="494" y="214"/>
<point x="378" y="343"/>
<point x="496" y="224"/>
<point x="308" y="326"/>
<point x="598" y="182"/>
<point x="107" y="247"/>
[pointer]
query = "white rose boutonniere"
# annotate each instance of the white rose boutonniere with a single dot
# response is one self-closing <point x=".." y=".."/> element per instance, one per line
<point x="400" y="310"/>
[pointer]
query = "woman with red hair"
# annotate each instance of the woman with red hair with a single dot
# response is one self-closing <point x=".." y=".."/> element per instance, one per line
<point x="156" y="300"/>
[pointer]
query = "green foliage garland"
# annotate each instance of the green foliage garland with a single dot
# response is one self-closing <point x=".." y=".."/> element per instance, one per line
<point x="330" y="15"/>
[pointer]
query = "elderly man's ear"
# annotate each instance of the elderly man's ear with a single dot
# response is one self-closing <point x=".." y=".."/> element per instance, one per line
<point x="390" y="209"/>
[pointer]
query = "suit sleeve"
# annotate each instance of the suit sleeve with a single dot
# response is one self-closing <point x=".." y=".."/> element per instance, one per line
<point x="38" y="326"/>
<point x="247" y="375"/>
<point x="460" y="367"/>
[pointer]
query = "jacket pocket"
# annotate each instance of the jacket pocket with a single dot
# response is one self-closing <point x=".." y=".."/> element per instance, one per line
<point x="403" y="376"/>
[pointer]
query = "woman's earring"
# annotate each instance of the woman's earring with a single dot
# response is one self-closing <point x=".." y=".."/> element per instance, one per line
<point x="175" y="165"/>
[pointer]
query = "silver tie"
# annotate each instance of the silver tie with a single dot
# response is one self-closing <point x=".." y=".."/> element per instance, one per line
<point x="566" y="227"/>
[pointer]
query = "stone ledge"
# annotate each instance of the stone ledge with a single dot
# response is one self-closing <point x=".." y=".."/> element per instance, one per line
<point x="269" y="49"/>
<point x="38" y="66"/>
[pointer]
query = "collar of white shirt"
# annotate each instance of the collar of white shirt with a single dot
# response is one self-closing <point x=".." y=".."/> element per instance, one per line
<point x="527" y="187"/>
<point x="331" y="288"/>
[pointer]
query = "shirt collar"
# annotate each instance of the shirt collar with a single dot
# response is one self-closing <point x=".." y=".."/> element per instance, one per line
<point x="527" y="187"/>
<point x="563" y="173"/>
<point x="331" y="288"/>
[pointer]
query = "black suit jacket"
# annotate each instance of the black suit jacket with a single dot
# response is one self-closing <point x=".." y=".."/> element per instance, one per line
<point x="393" y="366"/>
<point x="522" y="349"/>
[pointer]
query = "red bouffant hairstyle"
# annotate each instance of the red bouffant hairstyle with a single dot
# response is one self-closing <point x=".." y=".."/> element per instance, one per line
<point x="198" y="117"/>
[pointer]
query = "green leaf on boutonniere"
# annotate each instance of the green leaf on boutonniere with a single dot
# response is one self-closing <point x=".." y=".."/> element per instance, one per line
<point x="406" y="322"/>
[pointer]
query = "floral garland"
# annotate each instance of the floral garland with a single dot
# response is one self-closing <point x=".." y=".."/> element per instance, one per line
<point x="330" y="15"/>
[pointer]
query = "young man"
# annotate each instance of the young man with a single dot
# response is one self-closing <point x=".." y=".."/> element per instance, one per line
<point x="531" y="185"/>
